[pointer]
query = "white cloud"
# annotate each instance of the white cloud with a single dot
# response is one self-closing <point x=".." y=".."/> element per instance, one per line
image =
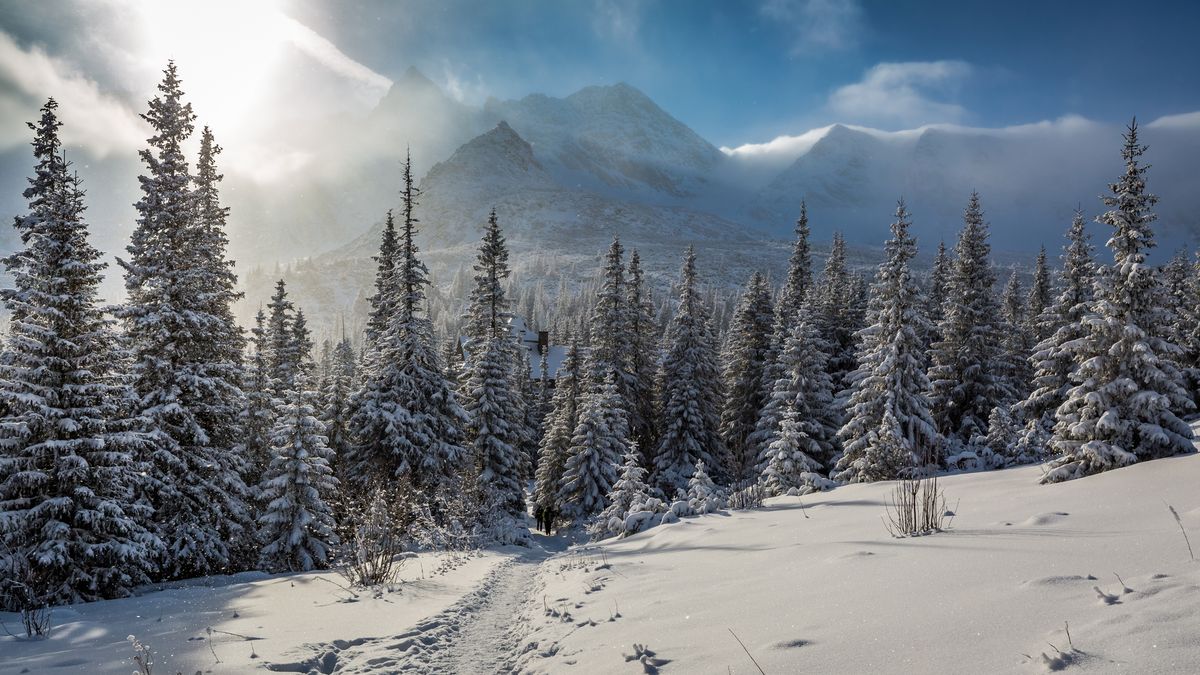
<point x="327" y="54"/>
<point x="817" y="24"/>
<point x="92" y="120"/>
<point x="903" y="94"/>
<point x="618" y="20"/>
<point x="785" y="149"/>
<point x="460" y="87"/>
<point x="1182" y="121"/>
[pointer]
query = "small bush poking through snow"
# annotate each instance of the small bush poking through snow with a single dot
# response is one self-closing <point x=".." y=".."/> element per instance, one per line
<point x="370" y="556"/>
<point x="18" y="593"/>
<point x="918" y="508"/>
<point x="749" y="497"/>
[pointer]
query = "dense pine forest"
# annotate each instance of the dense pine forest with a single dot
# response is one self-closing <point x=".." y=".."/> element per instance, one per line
<point x="157" y="439"/>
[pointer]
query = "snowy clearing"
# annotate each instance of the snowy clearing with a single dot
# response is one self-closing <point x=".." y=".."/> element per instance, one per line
<point x="818" y="588"/>
<point x="832" y="592"/>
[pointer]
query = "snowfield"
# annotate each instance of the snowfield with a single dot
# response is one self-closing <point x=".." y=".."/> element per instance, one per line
<point x="282" y="613"/>
<point x="833" y="592"/>
<point x="808" y="585"/>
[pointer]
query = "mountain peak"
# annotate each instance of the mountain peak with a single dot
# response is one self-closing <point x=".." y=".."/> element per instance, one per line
<point x="414" y="77"/>
<point x="501" y="145"/>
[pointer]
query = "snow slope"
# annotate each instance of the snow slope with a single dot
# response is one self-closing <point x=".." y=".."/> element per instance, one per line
<point x="815" y="586"/>
<point x="824" y="589"/>
<point x="282" y="613"/>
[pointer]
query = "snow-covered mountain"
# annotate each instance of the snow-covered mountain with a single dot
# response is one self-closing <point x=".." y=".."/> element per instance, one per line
<point x="566" y="174"/>
<point x="613" y="139"/>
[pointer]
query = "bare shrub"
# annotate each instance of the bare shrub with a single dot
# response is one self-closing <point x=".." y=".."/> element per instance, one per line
<point x="19" y="592"/>
<point x="373" y="541"/>
<point x="749" y="497"/>
<point x="918" y="507"/>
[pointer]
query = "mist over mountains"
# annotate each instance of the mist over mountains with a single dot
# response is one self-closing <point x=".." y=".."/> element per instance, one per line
<point x="566" y="174"/>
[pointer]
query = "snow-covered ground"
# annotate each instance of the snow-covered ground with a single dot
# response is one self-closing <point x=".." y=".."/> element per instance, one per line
<point x="815" y="587"/>
<point x="824" y="588"/>
<point x="258" y="620"/>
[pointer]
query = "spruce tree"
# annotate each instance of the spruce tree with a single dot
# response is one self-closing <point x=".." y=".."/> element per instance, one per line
<point x="837" y="312"/>
<point x="790" y="465"/>
<point x="888" y="430"/>
<point x="642" y="347"/>
<point x="382" y="301"/>
<point x="560" y="430"/>
<point x="796" y="289"/>
<point x="1128" y="396"/>
<point x="689" y="386"/>
<point x="296" y="527"/>
<point x="939" y="290"/>
<point x="69" y="467"/>
<point x="282" y="358"/>
<point x="1041" y="296"/>
<point x="335" y="405"/>
<point x="1187" y="327"/>
<point x="1017" y="341"/>
<point x="1054" y="356"/>
<point x="179" y="340"/>
<point x="964" y="377"/>
<point x="629" y="490"/>
<point x="804" y="388"/>
<point x="258" y="417"/>
<point x="609" y="354"/>
<point x="747" y="349"/>
<point x="601" y="437"/>
<point x="492" y="357"/>
<point x="407" y="422"/>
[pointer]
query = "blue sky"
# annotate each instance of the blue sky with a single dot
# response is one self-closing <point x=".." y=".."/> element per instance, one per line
<point x="745" y="71"/>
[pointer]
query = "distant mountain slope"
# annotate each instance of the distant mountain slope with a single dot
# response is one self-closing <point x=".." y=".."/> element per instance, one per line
<point x="613" y="138"/>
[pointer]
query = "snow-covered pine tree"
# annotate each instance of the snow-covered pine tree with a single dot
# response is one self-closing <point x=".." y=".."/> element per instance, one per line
<point x="68" y="453"/>
<point x="787" y="310"/>
<point x="889" y="387"/>
<point x="609" y="353"/>
<point x="629" y="490"/>
<point x="642" y="347"/>
<point x="335" y="401"/>
<point x="259" y="414"/>
<point x="282" y="358"/>
<point x="703" y="495"/>
<point x="492" y="356"/>
<point x="964" y="376"/>
<point x="1187" y="327"/>
<point x="1016" y="339"/>
<point x="296" y="527"/>
<point x="1041" y="296"/>
<point x="790" y="466"/>
<point x="837" y="312"/>
<point x="689" y="390"/>
<point x="179" y="339"/>
<point x="600" y="438"/>
<point x="1002" y="439"/>
<point x="804" y="386"/>
<point x="407" y="422"/>
<point x="1054" y="356"/>
<point x="382" y="301"/>
<point x="560" y="426"/>
<point x="747" y="348"/>
<point x="939" y="284"/>
<point x="301" y="347"/>
<point x="1128" y="396"/>
<point x="525" y="414"/>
